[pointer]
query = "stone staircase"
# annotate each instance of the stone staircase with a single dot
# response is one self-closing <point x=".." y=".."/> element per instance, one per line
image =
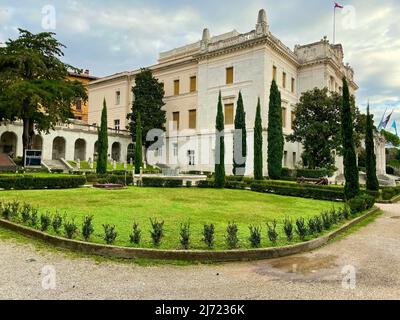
<point x="56" y="165"/>
<point x="6" y="163"/>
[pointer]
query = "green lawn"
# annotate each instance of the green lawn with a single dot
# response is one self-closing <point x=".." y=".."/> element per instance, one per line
<point x="174" y="206"/>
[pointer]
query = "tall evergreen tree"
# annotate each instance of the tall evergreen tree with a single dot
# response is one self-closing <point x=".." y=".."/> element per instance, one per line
<point x="220" y="146"/>
<point x="239" y="139"/>
<point x="275" y="133"/>
<point x="370" y="159"/>
<point x="352" y="186"/>
<point x="138" y="145"/>
<point x="258" y="144"/>
<point x="102" y="142"/>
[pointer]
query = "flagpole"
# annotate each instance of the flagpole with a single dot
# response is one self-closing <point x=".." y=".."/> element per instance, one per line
<point x="334" y="24"/>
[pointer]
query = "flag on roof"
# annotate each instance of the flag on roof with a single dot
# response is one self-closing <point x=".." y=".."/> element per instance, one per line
<point x="337" y="5"/>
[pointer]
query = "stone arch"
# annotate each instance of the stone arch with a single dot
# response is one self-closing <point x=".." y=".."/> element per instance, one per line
<point x="37" y="142"/>
<point x="58" y="152"/>
<point x="116" y="151"/>
<point x="80" y="150"/>
<point x="8" y="143"/>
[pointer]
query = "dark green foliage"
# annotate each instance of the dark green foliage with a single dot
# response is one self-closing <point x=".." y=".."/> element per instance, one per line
<point x="109" y="233"/>
<point x="361" y="203"/>
<point x="258" y="144"/>
<point x="390" y="170"/>
<point x="312" y="226"/>
<point x="57" y="222"/>
<point x="26" y="213"/>
<point x="352" y="187"/>
<point x="346" y="212"/>
<point x="275" y="133"/>
<point x="240" y="139"/>
<point x="272" y="233"/>
<point x="185" y="235"/>
<point x="34" y="219"/>
<point x="162" y="182"/>
<point x="15" y="208"/>
<point x="370" y="159"/>
<point x="136" y="234"/>
<point x="148" y="102"/>
<point x="208" y="235"/>
<point x="255" y="236"/>
<point x="318" y="224"/>
<point x="220" y="146"/>
<point x="288" y="228"/>
<point x="45" y="221"/>
<point x="326" y="220"/>
<point x="301" y="229"/>
<point x="6" y="211"/>
<point x="102" y="142"/>
<point x="157" y="231"/>
<point x="25" y="182"/>
<point x="138" y="145"/>
<point x="314" y="173"/>
<point x="87" y="227"/>
<point x="70" y="228"/>
<point x="391" y="138"/>
<point x="231" y="237"/>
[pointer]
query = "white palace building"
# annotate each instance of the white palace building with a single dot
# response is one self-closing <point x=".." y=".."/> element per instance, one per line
<point x="193" y="76"/>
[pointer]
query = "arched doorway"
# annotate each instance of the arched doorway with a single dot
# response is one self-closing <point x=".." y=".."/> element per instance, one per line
<point x="95" y="152"/>
<point x="116" y="151"/>
<point x="80" y="150"/>
<point x="130" y="152"/>
<point x="58" y="148"/>
<point x="37" y="142"/>
<point x="8" y="143"/>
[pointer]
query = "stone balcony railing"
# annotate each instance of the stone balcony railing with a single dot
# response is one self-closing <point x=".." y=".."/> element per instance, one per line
<point x="231" y="41"/>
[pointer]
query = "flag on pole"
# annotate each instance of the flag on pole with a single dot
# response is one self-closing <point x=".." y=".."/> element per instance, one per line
<point x="386" y="121"/>
<point x="381" y="122"/>
<point x="337" y="5"/>
<point x="394" y="126"/>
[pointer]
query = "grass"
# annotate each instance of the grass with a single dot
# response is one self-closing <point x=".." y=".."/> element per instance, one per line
<point x="174" y="206"/>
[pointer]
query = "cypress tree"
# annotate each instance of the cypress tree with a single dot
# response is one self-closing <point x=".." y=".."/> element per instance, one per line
<point x="275" y="133"/>
<point x="370" y="159"/>
<point x="138" y="144"/>
<point x="240" y="137"/>
<point x="352" y="186"/>
<point x="102" y="142"/>
<point x="220" y="146"/>
<point x="258" y="142"/>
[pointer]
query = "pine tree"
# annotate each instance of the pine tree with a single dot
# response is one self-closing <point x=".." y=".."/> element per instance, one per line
<point x="102" y="142"/>
<point x="220" y="147"/>
<point x="138" y="145"/>
<point x="258" y="143"/>
<point x="370" y="161"/>
<point x="352" y="187"/>
<point x="275" y="133"/>
<point x="240" y="137"/>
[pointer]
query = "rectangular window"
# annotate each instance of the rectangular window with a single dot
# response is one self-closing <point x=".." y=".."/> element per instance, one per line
<point x="285" y="159"/>
<point x="292" y="118"/>
<point x="284" y="117"/>
<point x="294" y="159"/>
<point x="117" y="124"/>
<point x="158" y="152"/>
<point x="175" y="148"/>
<point x="193" y="84"/>
<point x="274" y="70"/>
<point x="175" y="119"/>
<point x="117" y="97"/>
<point x="191" y="157"/>
<point x="176" y="87"/>
<point x="192" y="119"/>
<point x="78" y="105"/>
<point x="284" y="80"/>
<point x="229" y="75"/>
<point x="293" y="85"/>
<point x="229" y="114"/>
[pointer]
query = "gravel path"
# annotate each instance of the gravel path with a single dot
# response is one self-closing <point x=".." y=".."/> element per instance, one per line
<point x="372" y="252"/>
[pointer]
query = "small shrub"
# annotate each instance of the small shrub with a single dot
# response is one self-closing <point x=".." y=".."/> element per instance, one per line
<point x="288" y="229"/>
<point x="326" y="220"/>
<point x="26" y="213"/>
<point x="231" y="237"/>
<point x="208" y="235"/>
<point x="312" y="227"/>
<point x="301" y="229"/>
<point x="45" y="221"/>
<point x="57" y="222"/>
<point x="157" y="231"/>
<point x="14" y="209"/>
<point x="346" y="212"/>
<point x="319" y="226"/>
<point x="87" y="227"/>
<point x="333" y="214"/>
<point x="136" y="234"/>
<point x="255" y="236"/>
<point x="361" y="203"/>
<point x="109" y="233"/>
<point x="272" y="233"/>
<point x="189" y="184"/>
<point x="6" y="211"/>
<point x="185" y="235"/>
<point x="34" y="220"/>
<point x="70" y="228"/>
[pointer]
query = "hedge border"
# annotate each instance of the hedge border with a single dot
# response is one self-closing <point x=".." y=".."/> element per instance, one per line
<point x="186" y="255"/>
<point x="395" y="199"/>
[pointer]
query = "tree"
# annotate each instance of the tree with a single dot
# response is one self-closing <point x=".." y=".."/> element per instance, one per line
<point x="370" y="160"/>
<point x="352" y="187"/>
<point x="138" y="145"/>
<point x="33" y="84"/>
<point x="240" y="139"/>
<point x="102" y="142"/>
<point x="275" y="133"/>
<point x="148" y="96"/>
<point x="258" y="144"/>
<point x="219" y="146"/>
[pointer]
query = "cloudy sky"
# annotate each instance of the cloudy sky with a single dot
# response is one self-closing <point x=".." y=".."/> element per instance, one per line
<point x="114" y="36"/>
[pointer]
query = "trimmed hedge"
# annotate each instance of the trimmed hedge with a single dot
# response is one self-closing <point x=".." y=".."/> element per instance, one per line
<point x="25" y="182"/>
<point x="313" y="173"/>
<point x="162" y="182"/>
